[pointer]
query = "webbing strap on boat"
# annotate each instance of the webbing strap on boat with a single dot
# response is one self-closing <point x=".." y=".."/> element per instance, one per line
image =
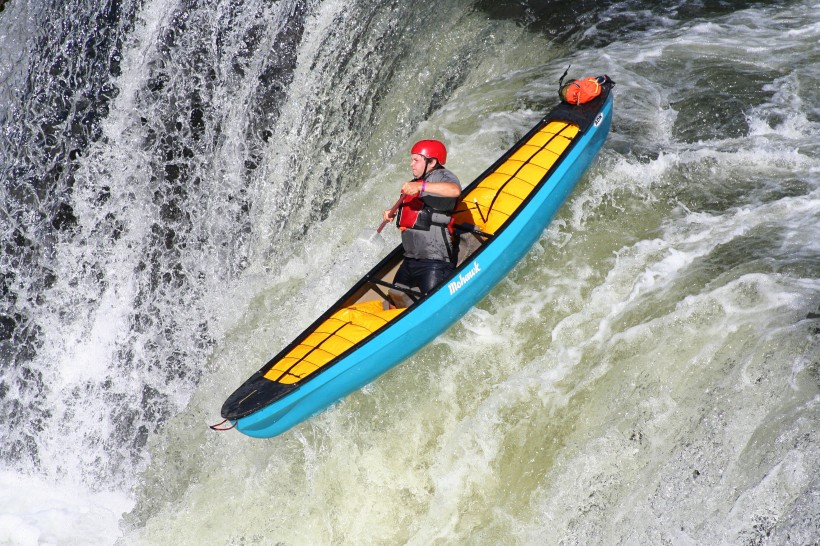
<point x="472" y="228"/>
<point x="409" y="291"/>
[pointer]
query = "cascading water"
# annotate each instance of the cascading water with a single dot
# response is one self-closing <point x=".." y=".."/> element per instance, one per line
<point x="183" y="185"/>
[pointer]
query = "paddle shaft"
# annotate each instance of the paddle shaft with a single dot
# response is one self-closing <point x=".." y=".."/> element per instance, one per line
<point x="392" y="212"/>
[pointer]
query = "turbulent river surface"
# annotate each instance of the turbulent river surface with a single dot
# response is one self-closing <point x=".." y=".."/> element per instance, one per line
<point x="184" y="185"/>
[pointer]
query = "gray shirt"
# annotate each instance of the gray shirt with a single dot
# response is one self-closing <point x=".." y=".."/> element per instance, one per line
<point x="430" y="244"/>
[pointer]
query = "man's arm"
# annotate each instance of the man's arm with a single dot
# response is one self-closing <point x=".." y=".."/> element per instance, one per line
<point x="442" y="189"/>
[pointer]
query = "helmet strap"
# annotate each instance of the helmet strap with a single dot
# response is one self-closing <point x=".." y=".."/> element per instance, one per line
<point x="427" y="161"/>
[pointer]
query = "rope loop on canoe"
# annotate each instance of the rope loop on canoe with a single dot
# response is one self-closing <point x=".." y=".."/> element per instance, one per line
<point x="221" y="428"/>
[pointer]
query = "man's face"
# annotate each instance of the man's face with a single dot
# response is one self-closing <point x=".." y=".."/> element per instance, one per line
<point x="417" y="164"/>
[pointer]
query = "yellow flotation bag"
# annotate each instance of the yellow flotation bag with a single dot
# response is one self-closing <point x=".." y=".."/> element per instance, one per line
<point x="344" y="329"/>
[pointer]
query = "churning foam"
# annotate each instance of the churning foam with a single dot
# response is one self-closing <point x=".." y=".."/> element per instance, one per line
<point x="36" y="512"/>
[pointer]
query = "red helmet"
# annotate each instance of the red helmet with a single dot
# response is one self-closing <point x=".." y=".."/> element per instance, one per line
<point x="430" y="149"/>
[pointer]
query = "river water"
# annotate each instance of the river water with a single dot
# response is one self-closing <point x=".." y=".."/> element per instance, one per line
<point x="184" y="188"/>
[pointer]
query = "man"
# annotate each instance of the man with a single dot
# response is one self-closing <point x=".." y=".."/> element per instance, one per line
<point x="424" y="216"/>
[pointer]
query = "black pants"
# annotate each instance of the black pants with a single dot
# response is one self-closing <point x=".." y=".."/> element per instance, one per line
<point x="424" y="274"/>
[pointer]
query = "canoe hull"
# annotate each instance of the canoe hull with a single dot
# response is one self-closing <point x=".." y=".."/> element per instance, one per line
<point x="441" y="309"/>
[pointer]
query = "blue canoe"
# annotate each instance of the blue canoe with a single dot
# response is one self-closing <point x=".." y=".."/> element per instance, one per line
<point x="500" y="216"/>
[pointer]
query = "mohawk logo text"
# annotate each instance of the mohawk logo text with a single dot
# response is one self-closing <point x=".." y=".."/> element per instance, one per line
<point x="463" y="278"/>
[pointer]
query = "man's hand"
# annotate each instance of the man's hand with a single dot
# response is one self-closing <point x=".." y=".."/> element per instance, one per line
<point x="411" y="188"/>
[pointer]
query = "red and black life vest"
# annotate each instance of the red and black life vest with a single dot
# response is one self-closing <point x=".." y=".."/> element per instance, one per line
<point x="416" y="212"/>
<point x="424" y="213"/>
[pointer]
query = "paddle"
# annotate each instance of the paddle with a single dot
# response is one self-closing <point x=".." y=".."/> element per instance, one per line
<point x="369" y="236"/>
<point x="392" y="212"/>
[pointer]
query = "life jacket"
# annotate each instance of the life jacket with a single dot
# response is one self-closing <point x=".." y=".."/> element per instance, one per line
<point x="416" y="212"/>
<point x="407" y="216"/>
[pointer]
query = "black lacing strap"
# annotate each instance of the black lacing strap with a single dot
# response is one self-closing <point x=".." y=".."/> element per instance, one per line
<point x="318" y="345"/>
<point x="561" y="79"/>
<point x="513" y="175"/>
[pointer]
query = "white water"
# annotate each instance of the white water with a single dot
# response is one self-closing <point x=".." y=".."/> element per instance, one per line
<point x="36" y="512"/>
<point x="648" y="374"/>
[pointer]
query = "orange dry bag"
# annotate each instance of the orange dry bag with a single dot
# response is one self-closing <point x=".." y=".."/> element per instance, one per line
<point x="581" y="91"/>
